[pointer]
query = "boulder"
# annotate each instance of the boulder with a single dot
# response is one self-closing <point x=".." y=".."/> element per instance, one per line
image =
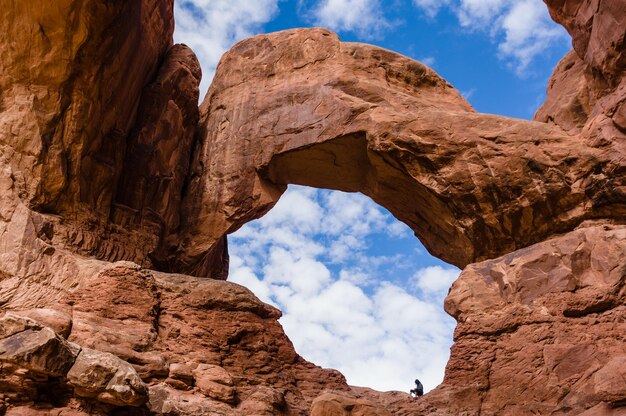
<point x="28" y="344"/>
<point x="107" y="378"/>
<point x="60" y="322"/>
<point x="215" y="382"/>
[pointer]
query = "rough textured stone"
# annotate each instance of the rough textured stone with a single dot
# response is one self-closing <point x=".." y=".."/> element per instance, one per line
<point x="106" y="377"/>
<point x="161" y="144"/>
<point x="104" y="156"/>
<point x="597" y="29"/>
<point x="569" y="101"/>
<point x="83" y="86"/>
<point x="93" y="96"/>
<point x="59" y="321"/>
<point x="25" y="343"/>
<point x="539" y="330"/>
<point x="43" y="365"/>
<point x="116" y="311"/>
<point x="355" y="117"/>
<point x="586" y="93"/>
<point x="329" y="404"/>
<point x="71" y="84"/>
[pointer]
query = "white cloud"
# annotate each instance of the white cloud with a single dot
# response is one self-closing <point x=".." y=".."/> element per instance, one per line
<point x="210" y="27"/>
<point x="434" y="279"/>
<point x="364" y="17"/>
<point x="342" y="301"/>
<point x="428" y="60"/>
<point x="307" y="217"/>
<point x="431" y="7"/>
<point x="522" y="29"/>
<point x="528" y="31"/>
<point x="479" y="13"/>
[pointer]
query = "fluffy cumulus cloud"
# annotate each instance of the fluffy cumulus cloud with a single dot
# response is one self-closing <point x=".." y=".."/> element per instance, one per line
<point x="431" y="7"/>
<point x="364" y="17"/>
<point x="434" y="279"/>
<point x="350" y="302"/>
<point x="522" y="29"/>
<point x="528" y="31"/>
<point x="210" y="27"/>
<point x="478" y="13"/>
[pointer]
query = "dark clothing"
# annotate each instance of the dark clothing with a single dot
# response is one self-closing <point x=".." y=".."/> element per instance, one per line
<point x="418" y="390"/>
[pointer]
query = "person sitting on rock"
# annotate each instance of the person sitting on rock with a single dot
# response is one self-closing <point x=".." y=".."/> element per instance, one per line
<point x="418" y="390"/>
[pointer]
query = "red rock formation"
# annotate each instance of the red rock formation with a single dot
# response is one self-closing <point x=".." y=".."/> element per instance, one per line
<point x="355" y="117"/>
<point x="83" y="86"/>
<point x="100" y="157"/>
<point x="199" y="345"/>
<point x="94" y="96"/>
<point x="542" y="327"/>
<point x="597" y="30"/>
<point x="161" y="144"/>
<point x="569" y="101"/>
<point x="586" y="92"/>
<point x="71" y="84"/>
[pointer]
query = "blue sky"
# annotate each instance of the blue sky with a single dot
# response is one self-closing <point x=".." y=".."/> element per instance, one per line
<point x="359" y="293"/>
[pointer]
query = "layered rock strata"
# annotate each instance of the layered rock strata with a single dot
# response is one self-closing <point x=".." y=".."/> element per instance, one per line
<point x="105" y="156"/>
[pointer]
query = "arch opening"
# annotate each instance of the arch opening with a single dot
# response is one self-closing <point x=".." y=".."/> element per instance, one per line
<point x="349" y="163"/>
<point x="358" y="292"/>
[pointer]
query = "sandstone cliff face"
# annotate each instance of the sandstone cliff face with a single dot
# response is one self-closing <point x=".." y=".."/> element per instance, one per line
<point x="160" y="143"/>
<point x="105" y="156"/>
<point x="587" y="89"/>
<point x="93" y="97"/>
<point x="71" y="82"/>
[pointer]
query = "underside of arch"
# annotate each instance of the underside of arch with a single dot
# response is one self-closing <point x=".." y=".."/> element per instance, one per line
<point x="346" y="164"/>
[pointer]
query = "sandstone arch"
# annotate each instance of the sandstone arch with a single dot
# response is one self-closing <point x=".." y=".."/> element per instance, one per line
<point x="472" y="186"/>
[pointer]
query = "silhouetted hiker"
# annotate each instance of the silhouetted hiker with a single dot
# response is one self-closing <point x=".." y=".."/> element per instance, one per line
<point x="418" y="390"/>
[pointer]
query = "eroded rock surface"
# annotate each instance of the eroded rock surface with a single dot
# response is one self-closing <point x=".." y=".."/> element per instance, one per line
<point x="355" y="117"/>
<point x="544" y="323"/>
<point x="36" y="363"/>
<point x="105" y="156"/>
<point x="94" y="96"/>
<point x="160" y="343"/>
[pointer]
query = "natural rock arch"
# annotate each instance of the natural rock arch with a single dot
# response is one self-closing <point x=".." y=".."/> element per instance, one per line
<point x="356" y="117"/>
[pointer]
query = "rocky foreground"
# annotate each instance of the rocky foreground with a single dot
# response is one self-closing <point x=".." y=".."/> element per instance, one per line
<point x="117" y="193"/>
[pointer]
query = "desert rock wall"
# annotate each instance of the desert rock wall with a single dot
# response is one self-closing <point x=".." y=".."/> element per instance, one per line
<point x="117" y="193"/>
